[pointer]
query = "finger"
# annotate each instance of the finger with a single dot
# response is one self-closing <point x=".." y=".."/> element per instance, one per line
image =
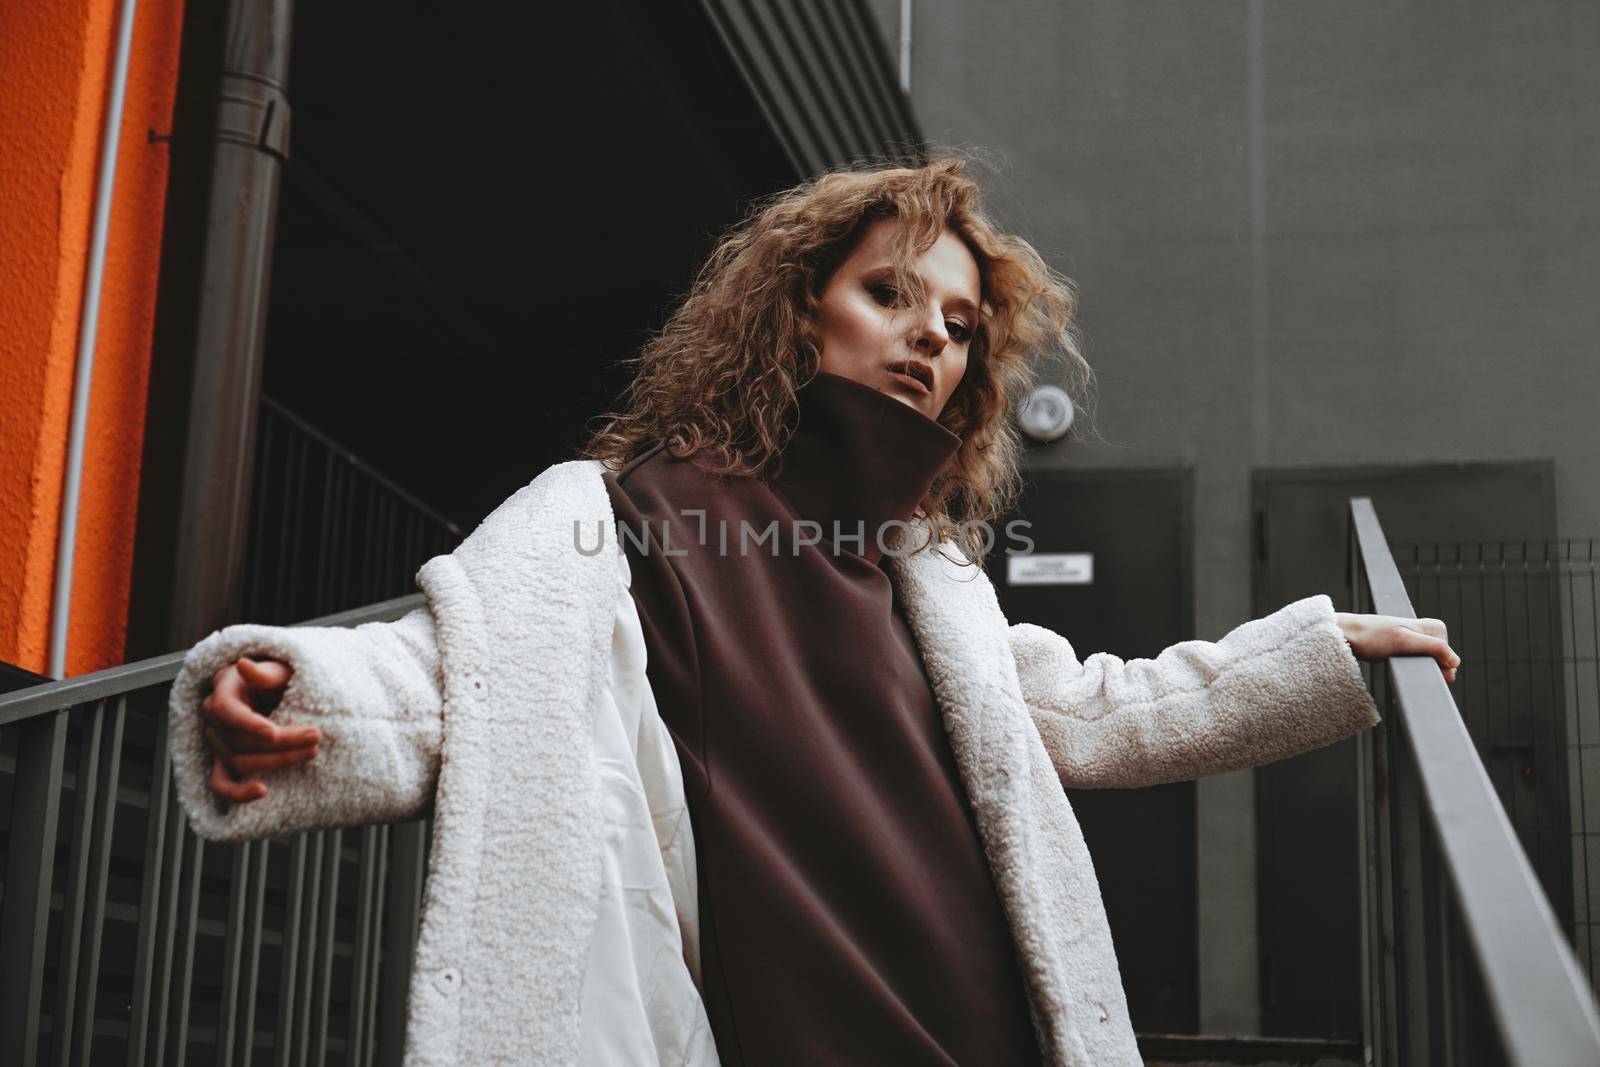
<point x="237" y="751"/>
<point x="256" y="763"/>
<point x="232" y="713"/>
<point x="264" y="674"/>
<point x="242" y="743"/>
<point x="1431" y="627"/>
<point x="228" y="710"/>
<point x="220" y="751"/>
<point x="1409" y="642"/>
<point x="224" y="786"/>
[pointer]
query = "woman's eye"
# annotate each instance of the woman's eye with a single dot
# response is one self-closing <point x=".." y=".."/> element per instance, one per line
<point x="884" y="293"/>
<point x="959" y="330"/>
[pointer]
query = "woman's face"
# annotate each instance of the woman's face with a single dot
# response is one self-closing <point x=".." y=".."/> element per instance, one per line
<point x="868" y="332"/>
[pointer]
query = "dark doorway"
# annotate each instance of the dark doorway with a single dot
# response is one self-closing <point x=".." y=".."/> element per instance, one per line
<point x="483" y="212"/>
<point x="1137" y="528"/>
<point x="1309" y="912"/>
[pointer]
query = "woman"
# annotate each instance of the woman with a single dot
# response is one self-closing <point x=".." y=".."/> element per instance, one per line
<point x="763" y="562"/>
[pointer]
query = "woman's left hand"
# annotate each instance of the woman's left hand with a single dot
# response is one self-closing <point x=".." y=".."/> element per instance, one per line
<point x="1377" y="637"/>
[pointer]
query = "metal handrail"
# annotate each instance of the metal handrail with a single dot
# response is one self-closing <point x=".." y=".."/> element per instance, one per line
<point x="114" y="681"/>
<point x="1540" y="1001"/>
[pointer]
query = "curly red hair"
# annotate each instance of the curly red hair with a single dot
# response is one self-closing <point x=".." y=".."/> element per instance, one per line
<point x="719" y="380"/>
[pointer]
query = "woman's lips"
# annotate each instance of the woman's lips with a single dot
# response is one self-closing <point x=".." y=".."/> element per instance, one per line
<point x="911" y="381"/>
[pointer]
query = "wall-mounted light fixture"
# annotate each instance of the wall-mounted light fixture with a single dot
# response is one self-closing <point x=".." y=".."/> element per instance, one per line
<point x="1045" y="414"/>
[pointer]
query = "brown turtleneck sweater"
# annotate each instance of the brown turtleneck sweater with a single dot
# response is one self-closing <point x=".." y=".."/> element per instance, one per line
<point x="848" y="914"/>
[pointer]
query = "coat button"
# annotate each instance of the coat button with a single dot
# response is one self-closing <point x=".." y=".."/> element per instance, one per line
<point x="477" y="686"/>
<point x="447" y="981"/>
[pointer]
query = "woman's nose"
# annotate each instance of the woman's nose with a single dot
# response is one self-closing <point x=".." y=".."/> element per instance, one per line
<point x="931" y="336"/>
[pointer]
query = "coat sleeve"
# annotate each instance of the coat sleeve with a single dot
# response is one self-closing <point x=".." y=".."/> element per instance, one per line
<point x="374" y="691"/>
<point x="1272" y="688"/>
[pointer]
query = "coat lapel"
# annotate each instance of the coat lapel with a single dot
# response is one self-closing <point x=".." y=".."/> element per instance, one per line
<point x="1022" y="813"/>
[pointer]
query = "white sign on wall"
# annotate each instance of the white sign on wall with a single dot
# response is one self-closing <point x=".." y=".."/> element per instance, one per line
<point x="1050" y="568"/>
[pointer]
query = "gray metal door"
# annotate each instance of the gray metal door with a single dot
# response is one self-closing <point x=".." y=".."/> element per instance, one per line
<point x="1309" y="911"/>
<point x="1137" y="526"/>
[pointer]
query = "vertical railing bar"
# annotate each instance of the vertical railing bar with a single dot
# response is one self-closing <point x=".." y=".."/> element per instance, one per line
<point x="374" y="972"/>
<point x="1418" y="1008"/>
<point x="361" y="539"/>
<point x="189" y="915"/>
<point x="293" y="445"/>
<point x="348" y="579"/>
<point x="413" y="545"/>
<point x="310" y="948"/>
<point x="1496" y="736"/>
<point x="374" y="541"/>
<point x="297" y="509"/>
<point x="358" y="956"/>
<point x="1559" y="843"/>
<point x="257" y="913"/>
<point x="1580" y="842"/>
<point x="290" y="964"/>
<point x="338" y="570"/>
<point x="172" y="864"/>
<point x="402" y="909"/>
<point x="393" y="512"/>
<point x="1594" y="633"/>
<point x="1386" y="742"/>
<point x="327" y="936"/>
<point x="30" y="868"/>
<point x="335" y="575"/>
<point x="104" y="830"/>
<point x="1446" y="925"/>
<point x="149" y="893"/>
<point x="380" y="563"/>
<point x="1367" y="868"/>
<point x="405" y="560"/>
<point x="1537" y="852"/>
<point x="324" y="528"/>
<point x="258" y="542"/>
<point x="368" y="558"/>
<point x="68" y="950"/>
<point x="233" y="951"/>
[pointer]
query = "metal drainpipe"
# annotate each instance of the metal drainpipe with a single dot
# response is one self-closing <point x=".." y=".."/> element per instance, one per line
<point x="249" y="142"/>
<point x="905" y="46"/>
<point x="88" y="324"/>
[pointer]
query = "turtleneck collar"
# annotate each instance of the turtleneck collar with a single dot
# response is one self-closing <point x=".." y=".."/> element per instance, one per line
<point x="860" y="458"/>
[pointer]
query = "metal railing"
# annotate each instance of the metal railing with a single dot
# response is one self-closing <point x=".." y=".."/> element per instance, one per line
<point x="1464" y="961"/>
<point x="1526" y="614"/>
<point x="126" y="939"/>
<point x="328" y="532"/>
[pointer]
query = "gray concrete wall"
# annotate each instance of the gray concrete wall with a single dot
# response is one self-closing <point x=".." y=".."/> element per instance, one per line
<point x="1306" y="233"/>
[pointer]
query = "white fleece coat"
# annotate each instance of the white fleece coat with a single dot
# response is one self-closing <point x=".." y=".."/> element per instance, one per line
<point x="490" y="704"/>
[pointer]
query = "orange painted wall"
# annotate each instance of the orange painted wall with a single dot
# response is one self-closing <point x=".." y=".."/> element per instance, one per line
<point x="55" y="65"/>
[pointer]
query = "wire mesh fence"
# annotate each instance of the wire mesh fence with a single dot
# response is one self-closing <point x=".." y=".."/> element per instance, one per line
<point x="1525" y="618"/>
<point x="1467" y="844"/>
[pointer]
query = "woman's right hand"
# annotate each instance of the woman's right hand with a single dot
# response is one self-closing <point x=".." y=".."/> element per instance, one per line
<point x="243" y="740"/>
